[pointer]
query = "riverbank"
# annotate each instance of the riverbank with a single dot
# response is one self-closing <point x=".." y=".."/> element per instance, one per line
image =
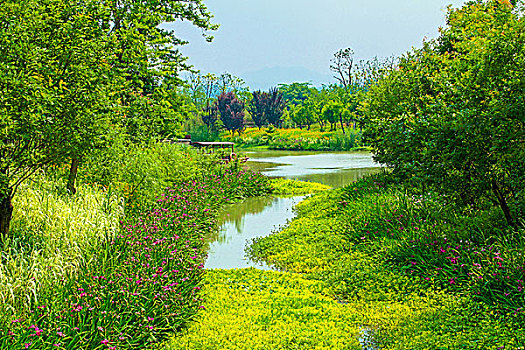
<point x="413" y="271"/>
<point x="294" y="139"/>
<point x="110" y="267"/>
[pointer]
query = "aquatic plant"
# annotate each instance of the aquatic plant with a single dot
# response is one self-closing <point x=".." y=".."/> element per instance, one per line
<point x="293" y="187"/>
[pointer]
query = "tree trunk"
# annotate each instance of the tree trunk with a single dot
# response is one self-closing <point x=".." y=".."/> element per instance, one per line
<point x="341" y="120"/>
<point x="73" y="175"/>
<point x="502" y="203"/>
<point x="6" y="214"/>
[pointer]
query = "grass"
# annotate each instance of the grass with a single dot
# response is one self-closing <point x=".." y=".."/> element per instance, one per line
<point x="410" y="266"/>
<point x="52" y="234"/>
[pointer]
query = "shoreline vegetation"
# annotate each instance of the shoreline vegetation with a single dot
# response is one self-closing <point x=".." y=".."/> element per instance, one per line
<point x="291" y="139"/>
<point x="113" y="267"/>
<point x="414" y="270"/>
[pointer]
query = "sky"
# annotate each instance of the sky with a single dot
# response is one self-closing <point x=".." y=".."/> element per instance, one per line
<point x="269" y="39"/>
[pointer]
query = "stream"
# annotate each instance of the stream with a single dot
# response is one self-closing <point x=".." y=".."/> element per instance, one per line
<point x="260" y="216"/>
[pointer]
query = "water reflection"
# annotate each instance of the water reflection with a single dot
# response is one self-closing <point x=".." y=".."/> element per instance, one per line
<point x="338" y="178"/>
<point x="242" y="222"/>
<point x="258" y="217"/>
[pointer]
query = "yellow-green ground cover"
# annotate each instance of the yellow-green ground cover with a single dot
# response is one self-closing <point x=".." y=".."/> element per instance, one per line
<point x="289" y="187"/>
<point x="345" y="272"/>
<point x="338" y="238"/>
<point x="297" y="139"/>
<point x="254" y="309"/>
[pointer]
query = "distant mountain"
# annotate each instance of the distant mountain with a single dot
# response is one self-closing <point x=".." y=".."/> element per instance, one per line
<point x="271" y="76"/>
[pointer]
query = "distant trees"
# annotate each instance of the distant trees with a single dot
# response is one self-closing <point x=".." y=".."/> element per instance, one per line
<point x="203" y="90"/>
<point x="266" y="107"/>
<point x="231" y="111"/>
<point x="258" y="107"/>
<point x="342" y="64"/>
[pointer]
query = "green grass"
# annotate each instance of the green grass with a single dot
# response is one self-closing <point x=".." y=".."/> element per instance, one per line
<point x="296" y="188"/>
<point x="407" y="265"/>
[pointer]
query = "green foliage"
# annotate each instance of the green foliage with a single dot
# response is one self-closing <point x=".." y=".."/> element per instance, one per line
<point x="55" y="83"/>
<point x="295" y="188"/>
<point x="451" y="115"/>
<point x="74" y="75"/>
<point x="416" y="269"/>
<point x="201" y="92"/>
<point x="140" y="173"/>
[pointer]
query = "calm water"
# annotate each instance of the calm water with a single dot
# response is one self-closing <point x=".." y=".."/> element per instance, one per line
<point x="332" y="169"/>
<point x="241" y="222"/>
<point x="258" y="217"/>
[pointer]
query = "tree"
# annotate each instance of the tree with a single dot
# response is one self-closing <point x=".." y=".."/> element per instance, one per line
<point x="276" y="107"/>
<point x="72" y="70"/>
<point x="331" y="112"/>
<point x="305" y="113"/>
<point x="267" y="107"/>
<point x="54" y="81"/>
<point x="258" y="107"/>
<point x="296" y="93"/>
<point x="452" y="115"/>
<point x="342" y="64"/>
<point x="231" y="111"/>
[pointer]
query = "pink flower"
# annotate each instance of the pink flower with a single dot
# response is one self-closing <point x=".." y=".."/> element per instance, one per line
<point x="105" y="342"/>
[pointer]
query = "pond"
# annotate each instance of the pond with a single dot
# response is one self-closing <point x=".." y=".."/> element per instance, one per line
<point x="258" y="217"/>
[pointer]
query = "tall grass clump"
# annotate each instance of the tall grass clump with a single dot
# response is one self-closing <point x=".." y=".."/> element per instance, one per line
<point x="52" y="235"/>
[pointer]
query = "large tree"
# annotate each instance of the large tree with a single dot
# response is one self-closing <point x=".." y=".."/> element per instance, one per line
<point x="71" y="69"/>
<point x="54" y="83"/>
<point x="452" y="115"/>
